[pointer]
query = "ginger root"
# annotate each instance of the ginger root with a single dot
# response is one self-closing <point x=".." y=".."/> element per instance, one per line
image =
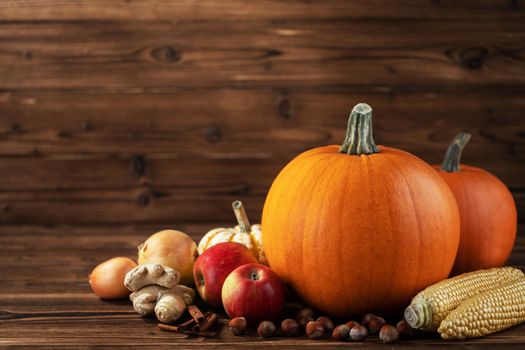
<point x="156" y="290"/>
<point x="186" y="293"/>
<point x="144" y="300"/>
<point x="151" y="274"/>
<point x="169" y="308"/>
<point x="168" y="304"/>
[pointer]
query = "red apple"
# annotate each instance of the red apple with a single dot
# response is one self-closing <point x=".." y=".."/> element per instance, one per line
<point x="254" y="292"/>
<point x="214" y="265"/>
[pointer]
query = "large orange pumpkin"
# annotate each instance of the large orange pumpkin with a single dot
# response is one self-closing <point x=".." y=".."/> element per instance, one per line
<point x="359" y="228"/>
<point x="487" y="212"/>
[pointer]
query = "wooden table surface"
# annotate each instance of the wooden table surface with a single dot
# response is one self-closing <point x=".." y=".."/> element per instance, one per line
<point x="45" y="300"/>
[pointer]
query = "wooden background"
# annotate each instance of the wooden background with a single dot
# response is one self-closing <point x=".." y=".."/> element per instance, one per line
<point x="119" y="118"/>
<point x="163" y="112"/>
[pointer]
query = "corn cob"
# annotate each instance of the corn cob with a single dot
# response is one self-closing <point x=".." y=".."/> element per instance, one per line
<point x="433" y="304"/>
<point x="489" y="312"/>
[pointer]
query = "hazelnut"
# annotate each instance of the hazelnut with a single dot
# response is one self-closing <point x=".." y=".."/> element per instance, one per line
<point x="327" y="324"/>
<point x="289" y="327"/>
<point x="366" y="319"/>
<point x="404" y="329"/>
<point x="266" y="329"/>
<point x="238" y="325"/>
<point x="304" y="316"/>
<point x="351" y="324"/>
<point x="358" y="333"/>
<point x="314" y="330"/>
<point x="375" y="324"/>
<point x="341" y="332"/>
<point x="388" y="334"/>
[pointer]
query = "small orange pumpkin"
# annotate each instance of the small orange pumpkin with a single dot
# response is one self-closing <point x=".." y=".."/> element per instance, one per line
<point x="359" y="228"/>
<point x="486" y="208"/>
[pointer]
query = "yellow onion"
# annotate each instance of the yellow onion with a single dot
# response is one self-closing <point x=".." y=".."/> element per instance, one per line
<point x="107" y="279"/>
<point x="171" y="248"/>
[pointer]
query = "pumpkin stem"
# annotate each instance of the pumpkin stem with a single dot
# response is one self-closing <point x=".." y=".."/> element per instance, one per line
<point x="241" y="216"/>
<point x="453" y="155"/>
<point x="358" y="139"/>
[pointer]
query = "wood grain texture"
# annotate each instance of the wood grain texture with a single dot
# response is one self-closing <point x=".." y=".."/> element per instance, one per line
<point x="114" y="191"/>
<point x="47" y="302"/>
<point x="251" y="54"/>
<point x="170" y="190"/>
<point x="266" y="9"/>
<point x="165" y="111"/>
<point x="88" y="156"/>
<point x="258" y="123"/>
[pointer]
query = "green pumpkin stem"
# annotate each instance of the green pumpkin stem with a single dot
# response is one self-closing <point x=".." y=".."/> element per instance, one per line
<point x="241" y="216"/>
<point x="453" y="155"/>
<point x="358" y="139"/>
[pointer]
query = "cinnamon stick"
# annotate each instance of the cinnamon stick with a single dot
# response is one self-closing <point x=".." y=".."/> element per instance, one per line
<point x="167" y="327"/>
<point x="175" y="329"/>
<point x="196" y="314"/>
<point x="188" y="324"/>
<point x="209" y="322"/>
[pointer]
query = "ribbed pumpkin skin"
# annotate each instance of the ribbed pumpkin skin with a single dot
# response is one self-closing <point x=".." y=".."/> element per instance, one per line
<point x="356" y="234"/>
<point x="488" y="218"/>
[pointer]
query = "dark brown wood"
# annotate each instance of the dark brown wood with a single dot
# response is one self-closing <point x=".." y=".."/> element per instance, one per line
<point x="97" y="55"/>
<point x="198" y="190"/>
<point x="43" y="191"/>
<point x="267" y="9"/>
<point x="167" y="157"/>
<point x="47" y="302"/>
<point x="253" y="123"/>
<point x="166" y="111"/>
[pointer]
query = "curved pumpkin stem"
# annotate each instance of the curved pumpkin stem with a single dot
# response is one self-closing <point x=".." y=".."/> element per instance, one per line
<point x="241" y="216"/>
<point x="453" y="155"/>
<point x="358" y="139"/>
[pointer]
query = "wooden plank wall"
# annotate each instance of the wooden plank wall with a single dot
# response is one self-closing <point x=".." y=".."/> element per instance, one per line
<point x="158" y="112"/>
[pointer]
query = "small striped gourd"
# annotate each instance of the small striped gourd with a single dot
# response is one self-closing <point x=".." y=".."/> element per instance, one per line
<point x="435" y="303"/>
<point x="495" y="310"/>
<point x="244" y="233"/>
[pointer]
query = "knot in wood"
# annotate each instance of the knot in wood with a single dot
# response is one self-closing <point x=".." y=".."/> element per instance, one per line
<point x="166" y="54"/>
<point x="284" y="108"/>
<point x="473" y="57"/>
<point x="137" y="166"/>
<point x="144" y="199"/>
<point x="214" y="134"/>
